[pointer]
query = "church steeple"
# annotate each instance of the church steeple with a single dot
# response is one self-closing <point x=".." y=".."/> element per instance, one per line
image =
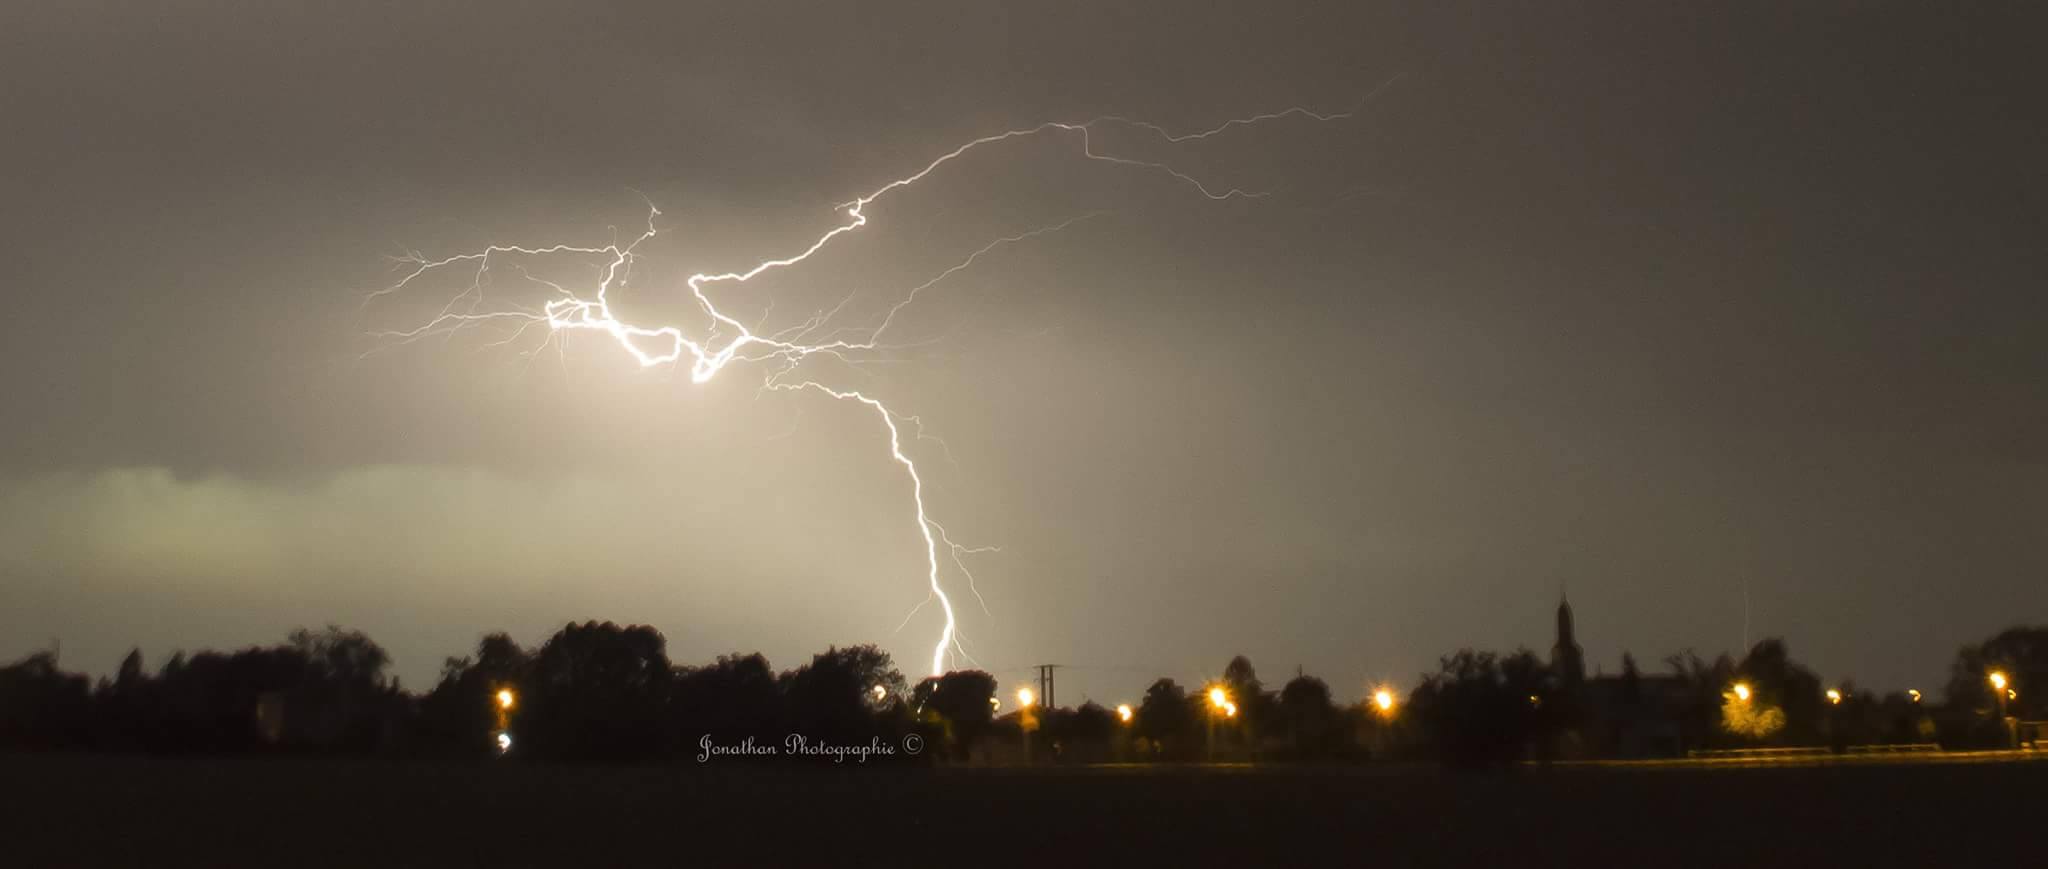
<point x="1566" y="660"/>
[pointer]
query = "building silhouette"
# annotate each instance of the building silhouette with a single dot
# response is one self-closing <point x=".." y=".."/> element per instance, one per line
<point x="1567" y="660"/>
<point x="1627" y="715"/>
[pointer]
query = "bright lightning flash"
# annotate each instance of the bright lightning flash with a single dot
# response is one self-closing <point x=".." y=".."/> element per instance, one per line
<point x="727" y="340"/>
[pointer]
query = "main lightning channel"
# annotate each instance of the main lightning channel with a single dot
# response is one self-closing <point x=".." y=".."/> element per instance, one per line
<point x="786" y="350"/>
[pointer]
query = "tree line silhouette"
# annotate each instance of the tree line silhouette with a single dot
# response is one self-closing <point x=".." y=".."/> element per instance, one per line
<point x="600" y="692"/>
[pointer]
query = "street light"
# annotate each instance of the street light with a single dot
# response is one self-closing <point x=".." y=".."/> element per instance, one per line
<point x="1384" y="699"/>
<point x="1834" y="697"/>
<point x="1218" y="702"/>
<point x="1025" y="722"/>
<point x="1742" y="691"/>
<point x="1998" y="685"/>
<point x="1123" y="712"/>
<point x="502" y="737"/>
<point x="1915" y="692"/>
<point x="880" y="693"/>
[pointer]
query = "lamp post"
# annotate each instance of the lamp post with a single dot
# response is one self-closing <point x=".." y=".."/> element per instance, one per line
<point x="504" y="700"/>
<point x="1998" y="689"/>
<point x="1025" y="721"/>
<point x="1218" y="700"/>
<point x="1122" y="742"/>
<point x="1383" y="702"/>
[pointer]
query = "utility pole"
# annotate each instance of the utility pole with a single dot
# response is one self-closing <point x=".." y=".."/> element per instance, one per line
<point x="1047" y="699"/>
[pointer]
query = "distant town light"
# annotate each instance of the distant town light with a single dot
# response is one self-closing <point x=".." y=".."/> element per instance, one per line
<point x="1123" y="712"/>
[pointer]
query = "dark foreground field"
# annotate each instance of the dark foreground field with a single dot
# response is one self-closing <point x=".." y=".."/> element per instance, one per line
<point x="96" y="811"/>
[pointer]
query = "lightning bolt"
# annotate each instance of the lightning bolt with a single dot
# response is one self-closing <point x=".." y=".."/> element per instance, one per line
<point x="727" y="340"/>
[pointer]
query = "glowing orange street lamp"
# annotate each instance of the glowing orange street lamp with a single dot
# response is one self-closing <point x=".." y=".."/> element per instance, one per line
<point x="1123" y="712"/>
<point x="1834" y="696"/>
<point x="503" y="736"/>
<point x="1219" y="701"/>
<point x="1384" y="700"/>
<point x="1025" y="721"/>
<point x="1998" y="686"/>
<point x="1742" y="691"/>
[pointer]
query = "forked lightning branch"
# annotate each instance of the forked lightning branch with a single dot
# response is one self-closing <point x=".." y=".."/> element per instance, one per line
<point x="719" y="340"/>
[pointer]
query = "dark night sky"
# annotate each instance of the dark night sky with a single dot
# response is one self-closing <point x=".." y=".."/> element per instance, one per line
<point x="1646" y="300"/>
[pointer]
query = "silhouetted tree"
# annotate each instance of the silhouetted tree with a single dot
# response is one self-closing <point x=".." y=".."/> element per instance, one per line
<point x="960" y="701"/>
<point x="461" y="713"/>
<point x="834" y="697"/>
<point x="1310" y="716"/>
<point x="1777" y="680"/>
<point x="122" y="707"/>
<point x="209" y="703"/>
<point x="2019" y="652"/>
<point x="341" y="700"/>
<point x="130" y="677"/>
<point x="733" y="698"/>
<point x="1481" y="711"/>
<point x="1240" y="679"/>
<point x="1165" y="719"/>
<point x="43" y="708"/>
<point x="1700" y="716"/>
<point x="596" y="692"/>
<point x="1085" y="733"/>
<point x="1258" y="713"/>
